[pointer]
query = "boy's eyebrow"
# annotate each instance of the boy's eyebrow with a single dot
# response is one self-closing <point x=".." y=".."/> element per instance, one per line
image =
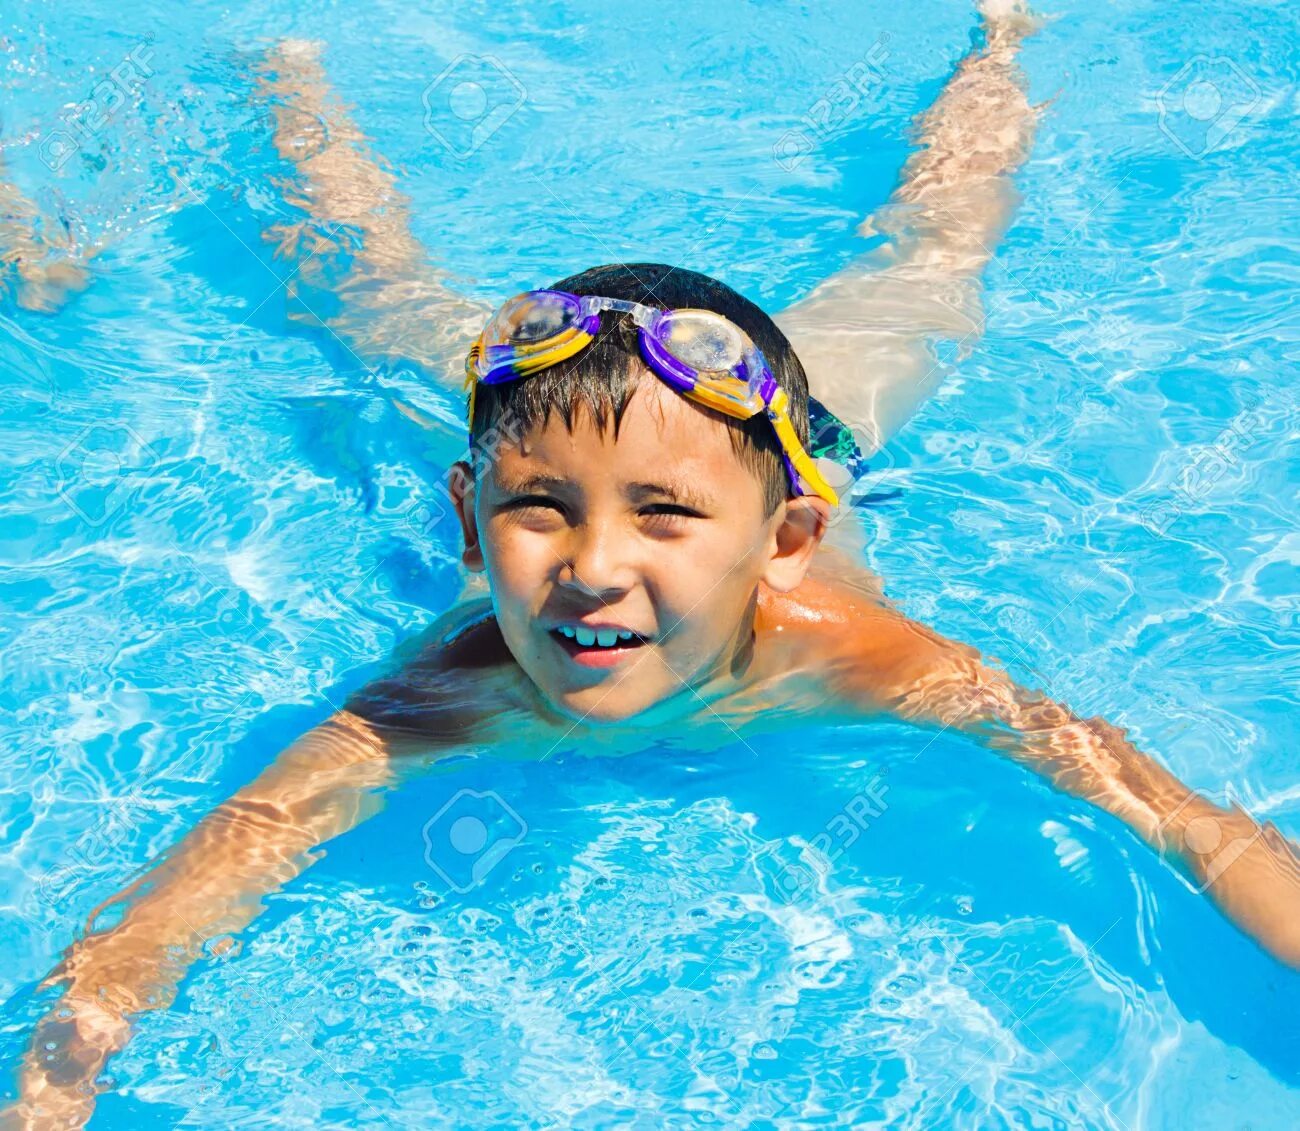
<point x="529" y="483"/>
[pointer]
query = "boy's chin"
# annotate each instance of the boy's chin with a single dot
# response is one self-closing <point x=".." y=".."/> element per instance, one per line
<point x="583" y="709"/>
<point x="597" y="708"/>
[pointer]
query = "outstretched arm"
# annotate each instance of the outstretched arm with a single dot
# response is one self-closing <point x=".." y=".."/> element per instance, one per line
<point x="209" y="886"/>
<point x="1250" y="871"/>
<point x="440" y="699"/>
<point x="863" y="333"/>
<point x="354" y="243"/>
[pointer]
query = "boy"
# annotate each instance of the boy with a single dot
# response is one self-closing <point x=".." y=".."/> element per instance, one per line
<point x="652" y="532"/>
<point x="677" y="524"/>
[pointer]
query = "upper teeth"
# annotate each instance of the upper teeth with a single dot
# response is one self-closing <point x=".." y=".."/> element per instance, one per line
<point x="605" y="637"/>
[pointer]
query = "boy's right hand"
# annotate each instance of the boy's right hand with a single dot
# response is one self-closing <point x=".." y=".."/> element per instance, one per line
<point x="59" y="1090"/>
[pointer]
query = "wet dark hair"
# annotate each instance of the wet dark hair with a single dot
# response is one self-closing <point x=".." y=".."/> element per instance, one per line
<point x="604" y="375"/>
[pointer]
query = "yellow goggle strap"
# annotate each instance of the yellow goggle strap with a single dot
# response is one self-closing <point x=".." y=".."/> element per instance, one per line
<point x="779" y="415"/>
<point x="728" y="395"/>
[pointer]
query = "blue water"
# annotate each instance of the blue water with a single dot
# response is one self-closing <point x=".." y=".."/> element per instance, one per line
<point x="208" y="540"/>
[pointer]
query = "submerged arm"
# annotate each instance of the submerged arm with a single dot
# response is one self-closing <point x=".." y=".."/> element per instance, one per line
<point x="1250" y="871"/>
<point x="212" y="884"/>
<point x="862" y="333"/>
<point x="209" y="886"/>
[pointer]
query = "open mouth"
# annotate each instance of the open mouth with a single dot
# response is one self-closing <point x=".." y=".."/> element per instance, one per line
<point x="596" y="654"/>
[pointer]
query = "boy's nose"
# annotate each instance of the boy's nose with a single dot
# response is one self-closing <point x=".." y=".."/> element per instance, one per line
<point x="596" y="562"/>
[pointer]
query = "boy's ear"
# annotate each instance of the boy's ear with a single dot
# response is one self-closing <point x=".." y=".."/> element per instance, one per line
<point x="801" y="527"/>
<point x="461" y="487"/>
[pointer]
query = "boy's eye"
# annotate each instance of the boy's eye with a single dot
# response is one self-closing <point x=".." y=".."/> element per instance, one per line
<point x="534" y="501"/>
<point x="653" y="510"/>
<point x="671" y="510"/>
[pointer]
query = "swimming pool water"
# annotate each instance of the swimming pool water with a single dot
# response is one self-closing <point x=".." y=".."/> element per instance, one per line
<point x="214" y="527"/>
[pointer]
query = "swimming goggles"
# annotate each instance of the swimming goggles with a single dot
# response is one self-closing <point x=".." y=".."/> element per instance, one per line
<point x="701" y="354"/>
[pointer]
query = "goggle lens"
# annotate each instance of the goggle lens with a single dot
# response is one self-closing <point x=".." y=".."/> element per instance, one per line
<point x="535" y="317"/>
<point x="702" y="340"/>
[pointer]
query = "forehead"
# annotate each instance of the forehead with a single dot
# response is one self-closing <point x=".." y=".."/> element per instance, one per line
<point x="662" y="437"/>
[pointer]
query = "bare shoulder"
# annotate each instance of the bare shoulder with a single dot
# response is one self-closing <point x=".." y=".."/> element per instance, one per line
<point x="836" y="599"/>
<point x="866" y="651"/>
<point x="447" y="682"/>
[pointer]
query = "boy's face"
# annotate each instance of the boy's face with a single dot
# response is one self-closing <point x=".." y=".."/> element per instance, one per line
<point x="661" y="532"/>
